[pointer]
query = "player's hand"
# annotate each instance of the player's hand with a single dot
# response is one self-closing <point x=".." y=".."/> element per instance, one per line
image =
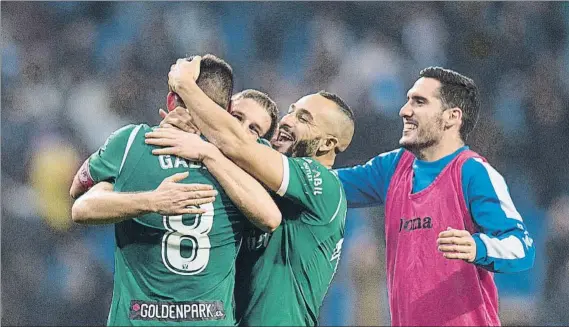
<point x="181" y="144"/>
<point x="174" y="198"/>
<point x="457" y="244"/>
<point x="179" y="118"/>
<point x="184" y="72"/>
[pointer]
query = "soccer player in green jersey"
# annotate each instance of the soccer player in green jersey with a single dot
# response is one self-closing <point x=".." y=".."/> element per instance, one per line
<point x="173" y="269"/>
<point x="289" y="275"/>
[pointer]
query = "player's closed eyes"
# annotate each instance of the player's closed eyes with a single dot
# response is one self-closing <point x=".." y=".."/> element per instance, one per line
<point x="239" y="118"/>
<point x="252" y="128"/>
<point x="254" y="131"/>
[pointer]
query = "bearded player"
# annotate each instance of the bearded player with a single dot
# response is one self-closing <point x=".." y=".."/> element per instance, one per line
<point x="450" y="222"/>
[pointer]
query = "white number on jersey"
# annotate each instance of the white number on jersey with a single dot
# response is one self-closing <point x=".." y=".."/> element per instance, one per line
<point x="196" y="234"/>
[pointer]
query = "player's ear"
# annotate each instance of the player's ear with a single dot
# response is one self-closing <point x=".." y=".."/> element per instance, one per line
<point x="453" y="117"/>
<point x="328" y="144"/>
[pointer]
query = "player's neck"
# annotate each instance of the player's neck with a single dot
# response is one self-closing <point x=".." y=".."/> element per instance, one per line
<point x="439" y="150"/>
<point x="327" y="160"/>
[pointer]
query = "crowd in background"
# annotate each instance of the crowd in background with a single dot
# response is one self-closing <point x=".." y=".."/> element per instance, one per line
<point x="73" y="72"/>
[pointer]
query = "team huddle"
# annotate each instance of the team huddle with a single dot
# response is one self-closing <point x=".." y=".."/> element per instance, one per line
<point x="226" y="216"/>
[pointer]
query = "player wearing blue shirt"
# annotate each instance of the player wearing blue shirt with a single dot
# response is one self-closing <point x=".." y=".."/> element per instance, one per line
<point x="485" y="192"/>
<point x="439" y="195"/>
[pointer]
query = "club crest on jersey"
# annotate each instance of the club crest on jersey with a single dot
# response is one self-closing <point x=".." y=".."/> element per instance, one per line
<point x="337" y="250"/>
<point x="176" y="311"/>
<point x="415" y="223"/>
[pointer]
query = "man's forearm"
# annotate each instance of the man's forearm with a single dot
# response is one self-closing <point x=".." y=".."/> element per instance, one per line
<point x="101" y="205"/>
<point x="250" y="197"/>
<point x="219" y="127"/>
<point x="82" y="181"/>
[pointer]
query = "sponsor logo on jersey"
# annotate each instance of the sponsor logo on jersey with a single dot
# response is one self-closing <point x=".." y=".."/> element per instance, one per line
<point x="313" y="176"/>
<point x="177" y="311"/>
<point x="414" y="224"/>
<point x="256" y="241"/>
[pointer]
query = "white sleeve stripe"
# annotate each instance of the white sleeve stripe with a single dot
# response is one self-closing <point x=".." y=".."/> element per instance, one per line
<point x="501" y="190"/>
<point x="286" y="177"/>
<point x="508" y="248"/>
<point x="129" y="144"/>
<point x="341" y="197"/>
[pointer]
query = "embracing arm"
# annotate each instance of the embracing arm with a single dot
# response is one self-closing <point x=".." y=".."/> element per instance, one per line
<point x="102" y="205"/>
<point x="366" y="185"/>
<point x="250" y="197"/>
<point x="224" y="131"/>
<point x="82" y="181"/>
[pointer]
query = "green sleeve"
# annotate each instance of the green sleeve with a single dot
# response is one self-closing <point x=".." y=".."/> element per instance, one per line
<point x="263" y="141"/>
<point x="317" y="188"/>
<point x="105" y="164"/>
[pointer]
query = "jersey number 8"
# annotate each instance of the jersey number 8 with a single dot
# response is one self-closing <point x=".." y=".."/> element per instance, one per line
<point x="197" y="242"/>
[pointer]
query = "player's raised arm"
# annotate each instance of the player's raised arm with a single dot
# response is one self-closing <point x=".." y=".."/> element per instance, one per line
<point x="223" y="130"/>
<point x="250" y="197"/>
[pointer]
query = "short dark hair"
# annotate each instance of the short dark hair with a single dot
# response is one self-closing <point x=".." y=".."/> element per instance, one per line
<point x="266" y="102"/>
<point x="216" y="79"/>
<point x="457" y="91"/>
<point x="347" y="131"/>
<point x="342" y="105"/>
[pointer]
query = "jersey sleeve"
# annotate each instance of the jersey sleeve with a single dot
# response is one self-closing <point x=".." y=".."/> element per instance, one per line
<point x="503" y="243"/>
<point x="263" y="141"/>
<point x="106" y="163"/>
<point x="317" y="188"/>
<point x="366" y="185"/>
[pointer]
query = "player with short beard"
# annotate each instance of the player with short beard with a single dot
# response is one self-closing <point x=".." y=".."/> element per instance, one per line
<point x="449" y="219"/>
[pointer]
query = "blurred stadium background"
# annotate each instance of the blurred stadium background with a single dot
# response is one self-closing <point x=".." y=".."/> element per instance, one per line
<point x="72" y="72"/>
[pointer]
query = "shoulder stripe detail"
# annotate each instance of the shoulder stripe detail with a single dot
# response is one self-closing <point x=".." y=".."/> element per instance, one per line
<point x="341" y="198"/>
<point x="508" y="248"/>
<point x="501" y="189"/>
<point x="131" y="138"/>
<point x="286" y="177"/>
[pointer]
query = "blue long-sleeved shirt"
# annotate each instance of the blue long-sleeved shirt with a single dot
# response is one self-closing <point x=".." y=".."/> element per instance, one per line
<point x="503" y="243"/>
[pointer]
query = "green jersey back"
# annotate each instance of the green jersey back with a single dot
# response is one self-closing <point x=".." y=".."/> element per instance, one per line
<point x="284" y="276"/>
<point x="169" y="270"/>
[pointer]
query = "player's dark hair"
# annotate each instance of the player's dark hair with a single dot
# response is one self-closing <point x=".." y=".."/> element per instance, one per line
<point x="216" y="79"/>
<point x="347" y="112"/>
<point x="266" y="102"/>
<point x="342" y="105"/>
<point x="457" y="91"/>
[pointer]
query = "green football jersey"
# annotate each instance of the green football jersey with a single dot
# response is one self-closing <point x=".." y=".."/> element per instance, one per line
<point x="169" y="270"/>
<point x="284" y="276"/>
